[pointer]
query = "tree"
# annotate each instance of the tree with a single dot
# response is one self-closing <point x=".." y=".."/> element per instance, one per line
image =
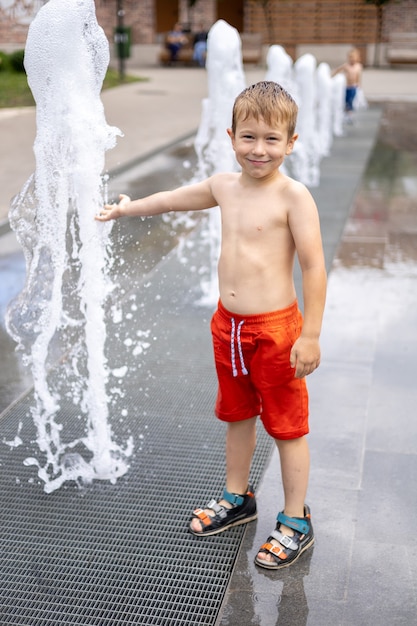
<point x="379" y="5"/>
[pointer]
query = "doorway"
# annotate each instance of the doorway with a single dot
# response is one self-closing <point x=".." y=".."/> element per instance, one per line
<point x="166" y="15"/>
<point x="231" y="11"/>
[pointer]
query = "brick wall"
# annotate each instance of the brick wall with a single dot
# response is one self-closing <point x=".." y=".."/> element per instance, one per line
<point x="140" y="17"/>
<point x="400" y="17"/>
<point x="304" y="21"/>
<point x="14" y="21"/>
<point x="203" y="12"/>
<point x="328" y="21"/>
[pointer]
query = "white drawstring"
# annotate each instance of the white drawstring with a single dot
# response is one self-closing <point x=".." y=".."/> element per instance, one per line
<point x="232" y="347"/>
<point x="239" y="348"/>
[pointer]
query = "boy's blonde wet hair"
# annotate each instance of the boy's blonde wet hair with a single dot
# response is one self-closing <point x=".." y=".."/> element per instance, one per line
<point x="267" y="100"/>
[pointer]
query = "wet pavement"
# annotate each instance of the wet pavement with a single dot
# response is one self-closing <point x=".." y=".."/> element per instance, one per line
<point x="362" y="569"/>
<point x="363" y="439"/>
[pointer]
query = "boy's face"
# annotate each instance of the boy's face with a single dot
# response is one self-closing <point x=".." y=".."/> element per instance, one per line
<point x="260" y="148"/>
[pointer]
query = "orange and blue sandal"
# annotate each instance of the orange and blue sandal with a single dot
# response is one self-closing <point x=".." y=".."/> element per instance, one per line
<point x="243" y="510"/>
<point x="287" y="549"/>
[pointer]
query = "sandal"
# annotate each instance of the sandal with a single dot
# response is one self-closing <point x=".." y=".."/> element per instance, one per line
<point x="289" y="548"/>
<point x="243" y="510"/>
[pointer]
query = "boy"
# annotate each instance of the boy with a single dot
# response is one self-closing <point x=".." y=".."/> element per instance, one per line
<point x="352" y="69"/>
<point x="262" y="349"/>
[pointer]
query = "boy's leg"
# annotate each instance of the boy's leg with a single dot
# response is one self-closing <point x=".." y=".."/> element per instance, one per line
<point x="240" y="446"/>
<point x="294" y="456"/>
<point x="295" y="467"/>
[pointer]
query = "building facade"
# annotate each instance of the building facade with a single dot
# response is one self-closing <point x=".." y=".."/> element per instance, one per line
<point x="289" y="23"/>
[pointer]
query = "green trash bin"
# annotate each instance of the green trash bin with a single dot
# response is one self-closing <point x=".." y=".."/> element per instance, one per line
<point x="122" y="41"/>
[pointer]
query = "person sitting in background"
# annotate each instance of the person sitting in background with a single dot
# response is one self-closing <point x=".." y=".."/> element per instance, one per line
<point x="175" y="41"/>
<point x="200" y="47"/>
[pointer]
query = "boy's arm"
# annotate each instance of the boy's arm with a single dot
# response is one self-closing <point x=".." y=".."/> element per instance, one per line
<point x="189" y="198"/>
<point x="305" y="228"/>
<point x="338" y="70"/>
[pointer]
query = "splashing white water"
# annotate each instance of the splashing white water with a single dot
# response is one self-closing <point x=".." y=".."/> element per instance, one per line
<point x="280" y="69"/>
<point x="66" y="58"/>
<point x="324" y="109"/>
<point x="320" y="99"/>
<point x="307" y="167"/>
<point x="226" y="80"/>
<point x="338" y="103"/>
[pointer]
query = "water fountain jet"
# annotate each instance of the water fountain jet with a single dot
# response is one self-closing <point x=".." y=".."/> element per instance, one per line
<point x="215" y="154"/>
<point x="66" y="251"/>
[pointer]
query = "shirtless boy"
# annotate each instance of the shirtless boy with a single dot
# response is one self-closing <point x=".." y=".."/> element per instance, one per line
<point x="263" y="349"/>
<point x="352" y="69"/>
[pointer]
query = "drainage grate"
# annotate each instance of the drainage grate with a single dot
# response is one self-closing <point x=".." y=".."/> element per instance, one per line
<point x="121" y="554"/>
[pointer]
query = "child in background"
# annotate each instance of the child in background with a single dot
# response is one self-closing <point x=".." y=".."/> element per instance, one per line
<point x="263" y="348"/>
<point x="352" y="69"/>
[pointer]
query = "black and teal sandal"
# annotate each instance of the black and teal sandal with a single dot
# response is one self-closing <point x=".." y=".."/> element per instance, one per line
<point x="289" y="548"/>
<point x="243" y="510"/>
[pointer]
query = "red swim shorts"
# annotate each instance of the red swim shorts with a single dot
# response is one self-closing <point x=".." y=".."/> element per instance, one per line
<point x="252" y="356"/>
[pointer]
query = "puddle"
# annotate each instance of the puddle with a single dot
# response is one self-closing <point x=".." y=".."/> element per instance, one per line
<point x="381" y="231"/>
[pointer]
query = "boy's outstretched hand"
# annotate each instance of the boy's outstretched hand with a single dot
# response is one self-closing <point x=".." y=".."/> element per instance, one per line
<point x="113" y="211"/>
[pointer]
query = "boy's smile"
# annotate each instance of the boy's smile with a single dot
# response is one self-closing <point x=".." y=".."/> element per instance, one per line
<point x="260" y="148"/>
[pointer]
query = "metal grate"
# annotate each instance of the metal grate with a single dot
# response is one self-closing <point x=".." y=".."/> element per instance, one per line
<point x="122" y="554"/>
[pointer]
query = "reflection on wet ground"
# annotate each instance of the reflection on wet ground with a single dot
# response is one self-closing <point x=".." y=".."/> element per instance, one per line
<point x="382" y="228"/>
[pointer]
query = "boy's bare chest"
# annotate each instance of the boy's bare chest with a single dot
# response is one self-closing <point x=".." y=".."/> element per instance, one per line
<point x="247" y="220"/>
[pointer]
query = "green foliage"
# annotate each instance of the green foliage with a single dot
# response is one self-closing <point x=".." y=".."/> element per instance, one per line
<point x="16" y="60"/>
<point x="4" y="62"/>
<point x="112" y="79"/>
<point x="12" y="61"/>
<point x="15" y="91"/>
